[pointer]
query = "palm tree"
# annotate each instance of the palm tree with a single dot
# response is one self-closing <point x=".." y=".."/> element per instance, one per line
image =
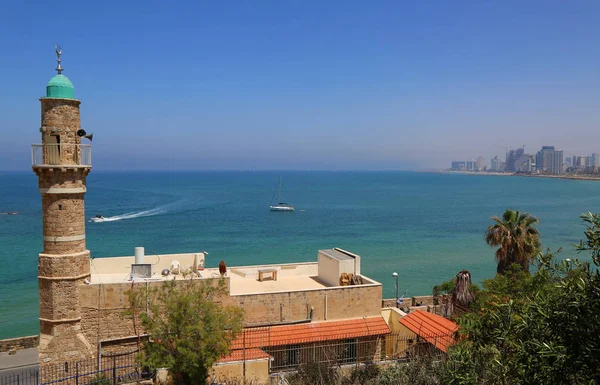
<point x="462" y="293"/>
<point x="518" y="240"/>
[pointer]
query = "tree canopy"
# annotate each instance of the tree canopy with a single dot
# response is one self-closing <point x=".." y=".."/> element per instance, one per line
<point x="535" y="329"/>
<point x="188" y="326"/>
<point x="517" y="238"/>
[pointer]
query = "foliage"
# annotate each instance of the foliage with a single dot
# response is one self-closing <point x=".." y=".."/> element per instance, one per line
<point x="188" y="326"/>
<point x="447" y="287"/>
<point x="315" y="373"/>
<point x="100" y="379"/>
<point x="535" y="329"/>
<point x="363" y="375"/>
<point x="516" y="237"/>
<point x="422" y="371"/>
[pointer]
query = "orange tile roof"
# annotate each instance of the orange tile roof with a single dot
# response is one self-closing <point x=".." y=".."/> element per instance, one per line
<point x="311" y="332"/>
<point x="240" y="355"/>
<point x="435" y="329"/>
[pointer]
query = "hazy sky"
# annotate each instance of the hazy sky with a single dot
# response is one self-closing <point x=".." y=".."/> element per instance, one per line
<point x="305" y="85"/>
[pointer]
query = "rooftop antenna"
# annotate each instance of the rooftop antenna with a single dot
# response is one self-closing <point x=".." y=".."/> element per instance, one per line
<point x="58" y="51"/>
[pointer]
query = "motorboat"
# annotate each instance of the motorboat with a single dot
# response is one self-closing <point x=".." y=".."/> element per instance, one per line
<point x="97" y="218"/>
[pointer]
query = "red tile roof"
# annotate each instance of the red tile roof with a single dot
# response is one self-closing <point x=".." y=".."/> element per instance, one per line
<point x="240" y="355"/>
<point x="311" y="332"/>
<point x="435" y="329"/>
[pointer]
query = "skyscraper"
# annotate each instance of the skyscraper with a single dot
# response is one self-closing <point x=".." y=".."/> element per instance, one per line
<point x="544" y="159"/>
<point x="557" y="162"/>
<point x="495" y="163"/>
<point x="480" y="163"/>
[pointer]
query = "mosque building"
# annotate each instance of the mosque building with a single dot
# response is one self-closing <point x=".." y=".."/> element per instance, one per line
<point x="290" y="309"/>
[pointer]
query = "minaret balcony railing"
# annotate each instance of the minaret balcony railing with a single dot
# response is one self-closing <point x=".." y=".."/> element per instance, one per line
<point x="63" y="154"/>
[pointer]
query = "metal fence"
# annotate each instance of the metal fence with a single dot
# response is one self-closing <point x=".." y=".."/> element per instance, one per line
<point x="345" y="351"/>
<point x="106" y="371"/>
<point x="29" y="376"/>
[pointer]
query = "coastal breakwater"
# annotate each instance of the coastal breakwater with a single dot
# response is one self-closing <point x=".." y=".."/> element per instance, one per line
<point x="524" y="175"/>
<point x="13" y="344"/>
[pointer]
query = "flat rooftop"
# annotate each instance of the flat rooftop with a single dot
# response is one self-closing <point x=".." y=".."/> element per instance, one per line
<point x="243" y="279"/>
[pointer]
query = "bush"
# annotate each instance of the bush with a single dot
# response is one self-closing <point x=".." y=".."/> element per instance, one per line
<point x="100" y="379"/>
<point x="314" y="373"/>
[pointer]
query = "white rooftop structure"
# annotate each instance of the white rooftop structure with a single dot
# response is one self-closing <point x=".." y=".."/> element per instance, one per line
<point x="243" y="280"/>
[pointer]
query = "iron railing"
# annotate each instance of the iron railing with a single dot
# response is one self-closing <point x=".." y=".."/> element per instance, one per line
<point x="109" y="370"/>
<point x="344" y="350"/>
<point x="348" y="351"/>
<point x="63" y="154"/>
<point x="29" y="376"/>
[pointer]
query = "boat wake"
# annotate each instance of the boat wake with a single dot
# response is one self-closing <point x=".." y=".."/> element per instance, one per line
<point x="132" y="215"/>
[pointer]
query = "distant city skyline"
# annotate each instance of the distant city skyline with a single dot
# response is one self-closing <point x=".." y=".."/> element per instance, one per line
<point x="313" y="85"/>
<point x="548" y="159"/>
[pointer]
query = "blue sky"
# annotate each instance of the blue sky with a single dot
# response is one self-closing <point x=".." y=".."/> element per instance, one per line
<point x="306" y="85"/>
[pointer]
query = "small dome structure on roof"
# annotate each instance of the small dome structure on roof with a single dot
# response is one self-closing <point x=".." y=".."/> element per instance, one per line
<point x="60" y="86"/>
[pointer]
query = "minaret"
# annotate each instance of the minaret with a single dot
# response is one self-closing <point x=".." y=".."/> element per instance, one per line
<point x="62" y="163"/>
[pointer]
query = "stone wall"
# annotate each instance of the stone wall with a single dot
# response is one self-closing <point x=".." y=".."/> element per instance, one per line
<point x="69" y="178"/>
<point x="343" y="302"/>
<point x="13" y="344"/>
<point x="64" y="214"/>
<point x="422" y="300"/>
<point x="103" y="307"/>
<point x="62" y="114"/>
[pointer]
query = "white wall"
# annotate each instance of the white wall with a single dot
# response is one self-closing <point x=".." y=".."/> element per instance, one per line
<point x="329" y="270"/>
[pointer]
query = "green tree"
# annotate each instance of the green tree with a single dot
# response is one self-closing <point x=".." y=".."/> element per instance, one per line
<point x="516" y="237"/>
<point x="535" y="329"/>
<point x="188" y="326"/>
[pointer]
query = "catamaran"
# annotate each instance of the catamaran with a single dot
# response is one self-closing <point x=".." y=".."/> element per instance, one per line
<point x="281" y="206"/>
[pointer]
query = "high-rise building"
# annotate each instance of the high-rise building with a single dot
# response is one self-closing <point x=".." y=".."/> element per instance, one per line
<point x="578" y="161"/>
<point x="459" y="165"/>
<point x="511" y="158"/>
<point x="596" y="159"/>
<point x="544" y="159"/>
<point x="557" y="162"/>
<point x="569" y="161"/>
<point x="480" y="163"/>
<point x="524" y="163"/>
<point x="495" y="164"/>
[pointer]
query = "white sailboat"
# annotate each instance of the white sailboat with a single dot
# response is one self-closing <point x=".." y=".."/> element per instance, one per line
<point x="281" y="206"/>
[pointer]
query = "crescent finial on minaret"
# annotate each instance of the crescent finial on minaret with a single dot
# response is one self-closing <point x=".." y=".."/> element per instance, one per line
<point x="59" y="69"/>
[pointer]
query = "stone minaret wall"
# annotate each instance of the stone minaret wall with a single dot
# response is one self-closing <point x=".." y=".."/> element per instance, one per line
<point x="64" y="264"/>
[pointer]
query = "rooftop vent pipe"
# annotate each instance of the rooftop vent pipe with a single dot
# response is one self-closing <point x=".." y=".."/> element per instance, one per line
<point x="139" y="255"/>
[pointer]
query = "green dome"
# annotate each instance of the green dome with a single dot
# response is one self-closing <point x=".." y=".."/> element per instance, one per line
<point x="60" y="87"/>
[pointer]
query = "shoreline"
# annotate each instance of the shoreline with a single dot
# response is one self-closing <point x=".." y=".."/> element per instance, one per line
<point x="564" y="176"/>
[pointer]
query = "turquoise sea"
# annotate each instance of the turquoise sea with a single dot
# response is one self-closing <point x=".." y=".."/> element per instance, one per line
<point x="425" y="226"/>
